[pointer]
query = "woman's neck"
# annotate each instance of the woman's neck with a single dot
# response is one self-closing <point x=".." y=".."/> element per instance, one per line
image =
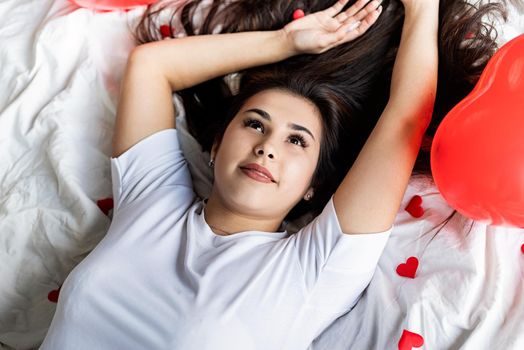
<point x="224" y="221"/>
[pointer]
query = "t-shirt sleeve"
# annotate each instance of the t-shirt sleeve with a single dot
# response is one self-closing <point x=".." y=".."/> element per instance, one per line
<point x="337" y="265"/>
<point x="156" y="163"/>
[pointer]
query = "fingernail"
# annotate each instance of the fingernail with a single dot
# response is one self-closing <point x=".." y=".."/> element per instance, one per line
<point x="379" y="9"/>
<point x="353" y="26"/>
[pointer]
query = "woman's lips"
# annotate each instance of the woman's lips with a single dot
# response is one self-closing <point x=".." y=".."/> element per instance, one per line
<point x="259" y="168"/>
<point x="255" y="175"/>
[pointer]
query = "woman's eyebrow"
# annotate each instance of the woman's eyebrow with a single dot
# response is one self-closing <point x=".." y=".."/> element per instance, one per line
<point x="266" y="116"/>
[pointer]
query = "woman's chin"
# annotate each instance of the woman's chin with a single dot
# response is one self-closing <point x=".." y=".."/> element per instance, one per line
<point x="251" y="202"/>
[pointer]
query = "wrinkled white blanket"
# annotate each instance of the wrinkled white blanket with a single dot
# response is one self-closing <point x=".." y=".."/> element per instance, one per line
<point x="60" y="73"/>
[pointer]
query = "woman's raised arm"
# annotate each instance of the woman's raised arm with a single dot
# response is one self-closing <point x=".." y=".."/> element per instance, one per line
<point x="154" y="70"/>
<point x="188" y="61"/>
<point x="369" y="197"/>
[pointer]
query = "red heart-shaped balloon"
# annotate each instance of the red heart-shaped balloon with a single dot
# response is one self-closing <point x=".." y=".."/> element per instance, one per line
<point x="414" y="207"/>
<point x="409" y="340"/>
<point x="109" y="5"/>
<point x="409" y="268"/>
<point x="477" y="155"/>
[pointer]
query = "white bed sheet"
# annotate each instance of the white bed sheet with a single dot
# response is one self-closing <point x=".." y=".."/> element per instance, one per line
<point x="60" y="76"/>
<point x="60" y="73"/>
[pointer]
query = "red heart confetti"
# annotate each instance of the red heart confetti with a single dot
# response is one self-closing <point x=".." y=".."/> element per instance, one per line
<point x="414" y="207"/>
<point x="410" y="340"/>
<point x="469" y="35"/>
<point x="53" y="295"/>
<point x="298" y="14"/>
<point x="165" y="31"/>
<point x="522" y="248"/>
<point x="408" y="269"/>
<point x="105" y="205"/>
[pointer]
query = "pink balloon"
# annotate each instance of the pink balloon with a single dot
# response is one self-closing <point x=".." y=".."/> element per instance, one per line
<point x="477" y="155"/>
<point x="109" y="5"/>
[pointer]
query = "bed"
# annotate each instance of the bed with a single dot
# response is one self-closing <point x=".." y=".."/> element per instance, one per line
<point x="443" y="281"/>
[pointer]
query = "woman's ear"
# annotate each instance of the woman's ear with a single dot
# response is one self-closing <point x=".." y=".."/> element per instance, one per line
<point x="214" y="150"/>
<point x="309" y="194"/>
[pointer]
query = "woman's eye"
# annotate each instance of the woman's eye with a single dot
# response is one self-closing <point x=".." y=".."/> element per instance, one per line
<point x="255" y="123"/>
<point x="295" y="139"/>
<point x="301" y="141"/>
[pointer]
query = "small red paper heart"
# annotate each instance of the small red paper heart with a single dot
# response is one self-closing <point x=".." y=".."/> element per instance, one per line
<point x="165" y="31"/>
<point x="409" y="340"/>
<point x="53" y="295"/>
<point x="105" y="205"/>
<point x="522" y="248"/>
<point x="408" y="269"/>
<point x="469" y="35"/>
<point x="414" y="207"/>
<point x="298" y="14"/>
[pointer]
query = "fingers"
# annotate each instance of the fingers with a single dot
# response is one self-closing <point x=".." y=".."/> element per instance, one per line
<point x="366" y="17"/>
<point x="359" y="10"/>
<point x="357" y="6"/>
<point x="333" y="10"/>
<point x="369" y="20"/>
<point x="337" y="27"/>
<point x="353" y="27"/>
<point x="369" y="9"/>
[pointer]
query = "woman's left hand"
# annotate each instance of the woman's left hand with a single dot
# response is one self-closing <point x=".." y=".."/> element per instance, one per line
<point x="323" y="30"/>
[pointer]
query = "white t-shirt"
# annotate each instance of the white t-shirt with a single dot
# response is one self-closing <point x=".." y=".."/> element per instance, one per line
<point x="161" y="279"/>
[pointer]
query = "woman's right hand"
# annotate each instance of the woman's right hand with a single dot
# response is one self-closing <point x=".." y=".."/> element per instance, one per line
<point x="323" y="30"/>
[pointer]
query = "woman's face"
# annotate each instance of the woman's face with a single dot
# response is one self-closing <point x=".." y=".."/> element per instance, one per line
<point x="276" y="130"/>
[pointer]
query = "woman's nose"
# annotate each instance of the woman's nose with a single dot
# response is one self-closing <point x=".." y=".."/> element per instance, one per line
<point x="264" y="149"/>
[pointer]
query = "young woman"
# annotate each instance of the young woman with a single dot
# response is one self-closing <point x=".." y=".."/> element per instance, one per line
<point x="175" y="272"/>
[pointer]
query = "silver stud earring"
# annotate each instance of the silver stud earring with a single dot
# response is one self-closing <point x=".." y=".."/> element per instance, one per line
<point x="308" y="196"/>
<point x="211" y="163"/>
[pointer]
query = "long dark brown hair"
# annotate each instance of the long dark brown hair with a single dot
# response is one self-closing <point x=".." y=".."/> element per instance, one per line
<point x="358" y="73"/>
